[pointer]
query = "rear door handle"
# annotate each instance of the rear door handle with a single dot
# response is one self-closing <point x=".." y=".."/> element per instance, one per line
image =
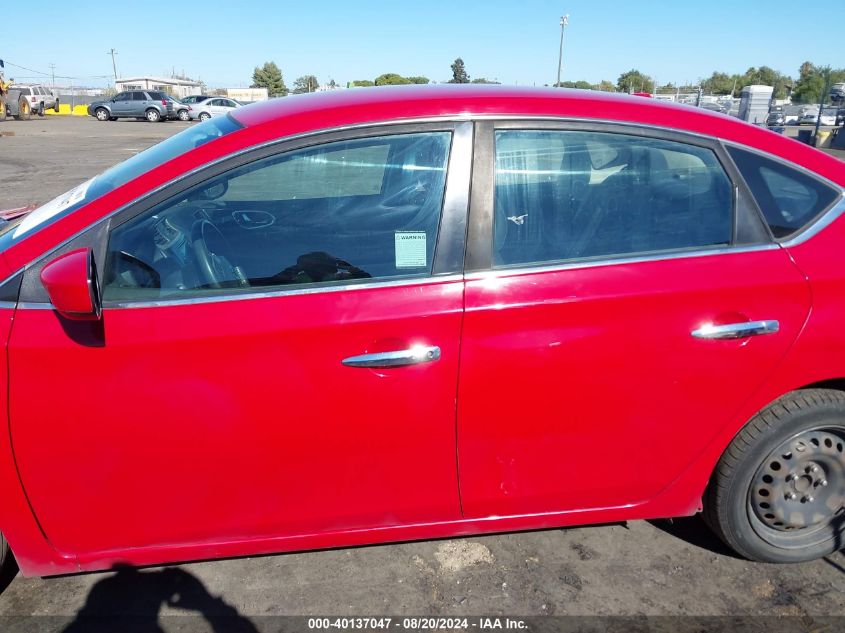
<point x="737" y="330"/>
<point x="399" y="358"/>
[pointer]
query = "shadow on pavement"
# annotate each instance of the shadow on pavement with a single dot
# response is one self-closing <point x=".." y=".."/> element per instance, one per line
<point x="838" y="525"/>
<point x="10" y="570"/>
<point x="130" y="601"/>
<point x="694" y="531"/>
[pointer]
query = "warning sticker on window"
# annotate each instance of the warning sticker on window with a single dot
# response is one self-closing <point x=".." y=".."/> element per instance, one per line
<point x="410" y="249"/>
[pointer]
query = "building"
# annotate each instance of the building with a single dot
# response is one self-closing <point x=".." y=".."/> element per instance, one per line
<point x="176" y="87"/>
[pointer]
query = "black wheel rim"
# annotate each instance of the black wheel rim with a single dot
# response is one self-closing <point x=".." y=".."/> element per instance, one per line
<point x="797" y="495"/>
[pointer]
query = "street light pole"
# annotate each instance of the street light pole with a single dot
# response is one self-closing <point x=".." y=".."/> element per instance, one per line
<point x="563" y="22"/>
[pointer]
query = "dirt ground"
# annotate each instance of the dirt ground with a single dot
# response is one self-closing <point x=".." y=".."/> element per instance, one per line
<point x="672" y="571"/>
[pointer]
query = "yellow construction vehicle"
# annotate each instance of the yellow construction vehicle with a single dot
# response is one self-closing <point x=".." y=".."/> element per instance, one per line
<point x="12" y="103"/>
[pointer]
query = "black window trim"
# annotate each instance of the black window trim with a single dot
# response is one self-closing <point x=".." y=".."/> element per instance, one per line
<point x="749" y="231"/>
<point x="449" y="248"/>
<point x="813" y="226"/>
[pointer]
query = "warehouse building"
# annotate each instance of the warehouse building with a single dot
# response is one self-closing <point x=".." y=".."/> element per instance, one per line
<point x="179" y="88"/>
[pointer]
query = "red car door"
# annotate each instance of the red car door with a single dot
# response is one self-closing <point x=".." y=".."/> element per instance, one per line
<point x="634" y="305"/>
<point x="273" y="362"/>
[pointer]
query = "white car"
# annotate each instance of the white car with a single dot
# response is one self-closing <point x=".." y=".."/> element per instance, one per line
<point x="217" y="106"/>
<point x="811" y="116"/>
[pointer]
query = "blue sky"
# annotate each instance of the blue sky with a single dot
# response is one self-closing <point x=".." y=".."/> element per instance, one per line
<point x="512" y="41"/>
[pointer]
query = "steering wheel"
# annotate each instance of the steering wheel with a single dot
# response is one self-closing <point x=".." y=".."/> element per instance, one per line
<point x="131" y="265"/>
<point x="210" y="249"/>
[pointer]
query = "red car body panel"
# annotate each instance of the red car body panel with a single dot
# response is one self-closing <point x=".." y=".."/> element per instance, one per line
<point x="473" y="443"/>
<point x="247" y="406"/>
<point x="549" y="357"/>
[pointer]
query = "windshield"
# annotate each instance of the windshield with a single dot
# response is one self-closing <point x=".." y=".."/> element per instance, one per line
<point x="117" y="176"/>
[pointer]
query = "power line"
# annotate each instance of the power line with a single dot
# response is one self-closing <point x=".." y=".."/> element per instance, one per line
<point x="25" y="68"/>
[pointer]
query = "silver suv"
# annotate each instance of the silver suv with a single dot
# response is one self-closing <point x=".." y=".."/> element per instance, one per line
<point x="40" y="98"/>
<point x="151" y="105"/>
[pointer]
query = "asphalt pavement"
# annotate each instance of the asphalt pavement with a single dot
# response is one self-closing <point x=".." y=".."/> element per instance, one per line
<point x="673" y="570"/>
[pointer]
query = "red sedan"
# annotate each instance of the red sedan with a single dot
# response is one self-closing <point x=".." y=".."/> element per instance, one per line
<point x="391" y="314"/>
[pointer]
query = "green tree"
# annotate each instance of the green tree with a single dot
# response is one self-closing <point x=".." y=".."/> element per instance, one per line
<point x="634" y="81"/>
<point x="306" y="83"/>
<point x="483" y="80"/>
<point x="811" y="83"/>
<point x="718" y="84"/>
<point x="418" y="80"/>
<point x="459" y="72"/>
<point x="361" y="83"/>
<point x="606" y="86"/>
<point x="391" y="79"/>
<point x="270" y="76"/>
<point x="765" y="76"/>
<point x="581" y="85"/>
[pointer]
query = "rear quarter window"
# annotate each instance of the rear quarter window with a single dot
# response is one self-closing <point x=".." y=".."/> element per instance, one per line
<point x="789" y="198"/>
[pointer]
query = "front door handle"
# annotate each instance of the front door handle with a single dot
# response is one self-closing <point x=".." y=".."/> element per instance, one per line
<point x="399" y="358"/>
<point x="737" y="330"/>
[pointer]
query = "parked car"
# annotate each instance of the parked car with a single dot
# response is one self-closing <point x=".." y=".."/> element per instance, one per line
<point x="216" y="106"/>
<point x="152" y="105"/>
<point x="775" y="119"/>
<point x="837" y="92"/>
<point x="378" y="315"/>
<point x="194" y="99"/>
<point x="810" y="117"/>
<point x="180" y="110"/>
<point x="40" y="98"/>
<point x="840" y="116"/>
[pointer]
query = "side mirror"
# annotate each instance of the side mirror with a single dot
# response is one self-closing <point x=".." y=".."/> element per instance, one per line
<point x="71" y="283"/>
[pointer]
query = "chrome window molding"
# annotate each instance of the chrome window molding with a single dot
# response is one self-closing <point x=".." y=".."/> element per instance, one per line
<point x="377" y="127"/>
<point x="445" y="119"/>
<point x="8" y="305"/>
<point x="820" y="221"/>
<point x="453" y="119"/>
<point x="783" y="161"/>
<point x="528" y="269"/>
<point x="276" y="292"/>
<point x="819" y="224"/>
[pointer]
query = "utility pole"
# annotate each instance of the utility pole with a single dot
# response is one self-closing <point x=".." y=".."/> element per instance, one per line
<point x="113" y="52"/>
<point x="564" y="21"/>
<point x="826" y="74"/>
<point x="53" y="71"/>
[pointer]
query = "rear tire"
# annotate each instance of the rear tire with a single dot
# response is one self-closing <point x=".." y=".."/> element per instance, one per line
<point x="24" y="110"/>
<point x="778" y="492"/>
<point x="41" y="109"/>
<point x="152" y="115"/>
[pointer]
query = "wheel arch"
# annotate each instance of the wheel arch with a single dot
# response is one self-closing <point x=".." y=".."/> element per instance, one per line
<point x="684" y="495"/>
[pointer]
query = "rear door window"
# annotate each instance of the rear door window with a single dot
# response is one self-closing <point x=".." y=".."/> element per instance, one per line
<point x="790" y="199"/>
<point x="568" y="195"/>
